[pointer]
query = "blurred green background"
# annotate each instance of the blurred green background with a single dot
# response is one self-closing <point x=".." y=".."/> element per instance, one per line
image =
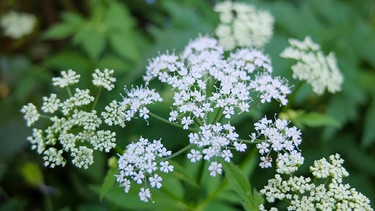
<point x="123" y="34"/>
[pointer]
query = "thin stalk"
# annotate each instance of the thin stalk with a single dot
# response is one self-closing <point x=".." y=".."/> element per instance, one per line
<point x="179" y="152"/>
<point x="97" y="98"/>
<point x="218" y="116"/>
<point x="69" y="92"/>
<point x="170" y="123"/>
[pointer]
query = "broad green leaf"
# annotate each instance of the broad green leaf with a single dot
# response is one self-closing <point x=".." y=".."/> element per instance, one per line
<point x="109" y="181"/>
<point x="123" y="44"/>
<point x="314" y="119"/>
<point x="72" y="23"/>
<point x="241" y="185"/>
<point x="117" y="17"/>
<point x="68" y="59"/>
<point x="59" y="31"/>
<point x="92" y="42"/>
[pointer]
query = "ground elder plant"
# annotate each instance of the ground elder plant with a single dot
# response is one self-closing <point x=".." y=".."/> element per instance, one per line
<point x="214" y="81"/>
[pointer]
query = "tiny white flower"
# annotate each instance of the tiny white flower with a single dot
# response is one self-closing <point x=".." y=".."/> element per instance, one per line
<point x="215" y="168"/>
<point x="144" y="194"/>
<point x="104" y="79"/>
<point x="31" y="114"/>
<point x="67" y="78"/>
<point x="155" y="181"/>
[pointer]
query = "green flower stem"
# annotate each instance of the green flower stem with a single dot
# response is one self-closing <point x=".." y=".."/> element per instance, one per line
<point x="219" y="115"/>
<point x="69" y="92"/>
<point x="97" y="98"/>
<point x="171" y="123"/>
<point x="179" y="152"/>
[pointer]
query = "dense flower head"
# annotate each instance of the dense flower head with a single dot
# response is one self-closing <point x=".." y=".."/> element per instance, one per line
<point x="206" y="82"/>
<point x="242" y="25"/>
<point x="104" y="78"/>
<point x="17" y="24"/>
<point x="313" y="66"/>
<point x="72" y="131"/>
<point x="139" y="164"/>
<point x="214" y="141"/>
<point x="136" y="100"/>
<point x="278" y="137"/>
<point x="330" y="194"/>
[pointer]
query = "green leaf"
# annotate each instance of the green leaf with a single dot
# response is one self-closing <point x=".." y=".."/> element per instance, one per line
<point x="241" y="185"/>
<point x="59" y="31"/>
<point x="92" y="42"/>
<point x="181" y="173"/>
<point x="118" y="17"/>
<point x="368" y="137"/>
<point x="68" y="59"/>
<point x="72" y="23"/>
<point x="123" y="44"/>
<point x="32" y="174"/>
<point x="314" y="119"/>
<point x="109" y="180"/>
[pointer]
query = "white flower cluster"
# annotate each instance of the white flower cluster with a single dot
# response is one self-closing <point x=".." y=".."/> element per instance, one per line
<point x="139" y="164"/>
<point x="17" y="24"/>
<point x="72" y="129"/>
<point x="206" y="84"/>
<point x="318" y="70"/>
<point x="280" y="138"/>
<point x="330" y="194"/>
<point x="215" y="140"/>
<point x="136" y="101"/>
<point x="242" y="25"/>
<point x="210" y="89"/>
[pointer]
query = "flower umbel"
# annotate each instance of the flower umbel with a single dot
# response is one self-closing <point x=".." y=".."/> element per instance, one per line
<point x="330" y="194"/>
<point x="72" y="131"/>
<point x="280" y="138"/>
<point x="139" y="163"/>
<point x="318" y="70"/>
<point x="242" y="25"/>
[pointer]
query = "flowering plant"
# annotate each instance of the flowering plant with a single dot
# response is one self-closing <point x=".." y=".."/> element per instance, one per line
<point x="214" y="84"/>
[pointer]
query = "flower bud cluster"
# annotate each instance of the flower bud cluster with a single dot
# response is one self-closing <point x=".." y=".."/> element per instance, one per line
<point x="73" y="130"/>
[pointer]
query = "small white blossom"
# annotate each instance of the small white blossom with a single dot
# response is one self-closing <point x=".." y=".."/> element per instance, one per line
<point x="312" y="66"/>
<point x="82" y="157"/>
<point x="136" y="100"/>
<point x="215" y="168"/>
<point x="114" y="114"/>
<point x="37" y="141"/>
<point x="17" y="24"/>
<point x="53" y="157"/>
<point x="155" y="181"/>
<point x="104" y="79"/>
<point x="242" y="25"/>
<point x="138" y="164"/>
<point x="144" y="194"/>
<point x="278" y="137"/>
<point x="31" y="114"/>
<point x="67" y="78"/>
<point x="50" y="104"/>
<point x="194" y="156"/>
<point x="165" y="167"/>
